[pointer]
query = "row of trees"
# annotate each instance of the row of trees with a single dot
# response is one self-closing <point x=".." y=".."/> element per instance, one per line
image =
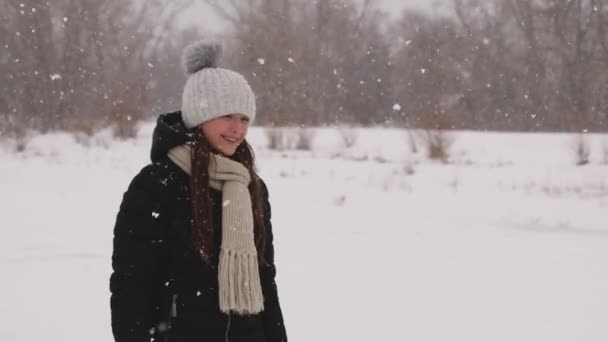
<point x="486" y="64"/>
<point x="499" y="65"/>
<point x="79" y="65"/>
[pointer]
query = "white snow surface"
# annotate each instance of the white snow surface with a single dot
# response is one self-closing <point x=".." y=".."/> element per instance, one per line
<point x="508" y="241"/>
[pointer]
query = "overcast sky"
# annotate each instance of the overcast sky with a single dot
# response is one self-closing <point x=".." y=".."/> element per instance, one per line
<point x="204" y="16"/>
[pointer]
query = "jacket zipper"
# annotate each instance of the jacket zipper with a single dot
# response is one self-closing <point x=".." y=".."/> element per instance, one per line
<point x="228" y="328"/>
<point x="172" y="315"/>
<point x="173" y="311"/>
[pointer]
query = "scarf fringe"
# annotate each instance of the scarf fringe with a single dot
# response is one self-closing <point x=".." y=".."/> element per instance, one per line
<point x="239" y="283"/>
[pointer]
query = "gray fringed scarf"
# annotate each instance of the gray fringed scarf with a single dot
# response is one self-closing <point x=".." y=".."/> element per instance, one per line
<point x="239" y="279"/>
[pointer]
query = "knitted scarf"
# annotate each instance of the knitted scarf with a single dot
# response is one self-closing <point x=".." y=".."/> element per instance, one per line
<point x="239" y="280"/>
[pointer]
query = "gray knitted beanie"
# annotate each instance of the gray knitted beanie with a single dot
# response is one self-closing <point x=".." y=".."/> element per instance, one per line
<point x="211" y="92"/>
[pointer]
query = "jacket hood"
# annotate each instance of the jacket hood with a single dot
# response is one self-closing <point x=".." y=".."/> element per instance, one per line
<point x="170" y="131"/>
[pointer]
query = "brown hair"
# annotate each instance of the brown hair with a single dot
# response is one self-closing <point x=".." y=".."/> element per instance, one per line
<point x="201" y="199"/>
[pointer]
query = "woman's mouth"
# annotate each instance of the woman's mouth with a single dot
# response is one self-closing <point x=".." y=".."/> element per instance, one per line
<point x="232" y="140"/>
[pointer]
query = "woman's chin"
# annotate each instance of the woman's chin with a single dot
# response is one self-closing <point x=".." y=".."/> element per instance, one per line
<point x="227" y="152"/>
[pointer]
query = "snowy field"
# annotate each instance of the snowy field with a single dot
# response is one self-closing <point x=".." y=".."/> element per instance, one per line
<point x="507" y="242"/>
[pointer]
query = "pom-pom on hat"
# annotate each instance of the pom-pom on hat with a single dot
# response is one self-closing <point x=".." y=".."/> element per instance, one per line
<point x="210" y="91"/>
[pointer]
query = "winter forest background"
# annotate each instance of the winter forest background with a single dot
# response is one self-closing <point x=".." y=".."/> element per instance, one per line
<point x="436" y="174"/>
<point x="508" y="65"/>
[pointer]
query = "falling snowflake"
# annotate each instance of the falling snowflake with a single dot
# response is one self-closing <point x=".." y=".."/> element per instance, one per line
<point x="155" y="214"/>
<point x="55" y="77"/>
<point x="396" y="107"/>
<point x="290" y="60"/>
<point x="261" y="61"/>
<point x="423" y="71"/>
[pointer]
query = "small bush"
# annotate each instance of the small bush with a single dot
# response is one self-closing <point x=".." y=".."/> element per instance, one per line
<point x="125" y="109"/>
<point x="436" y="125"/>
<point x="412" y="142"/>
<point x="305" y="137"/>
<point x="276" y="138"/>
<point x="438" y="143"/>
<point x="348" y="137"/>
<point x="582" y="150"/>
<point x="408" y="168"/>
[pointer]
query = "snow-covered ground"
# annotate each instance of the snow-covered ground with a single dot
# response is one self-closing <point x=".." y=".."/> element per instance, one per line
<point x="507" y="242"/>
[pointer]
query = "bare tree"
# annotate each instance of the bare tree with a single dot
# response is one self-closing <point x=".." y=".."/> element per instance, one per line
<point x="493" y="64"/>
<point x="572" y="44"/>
<point x="68" y="59"/>
<point x="303" y="64"/>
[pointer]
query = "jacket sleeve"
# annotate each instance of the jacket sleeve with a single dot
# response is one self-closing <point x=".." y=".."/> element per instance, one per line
<point x="136" y="281"/>
<point x="274" y="327"/>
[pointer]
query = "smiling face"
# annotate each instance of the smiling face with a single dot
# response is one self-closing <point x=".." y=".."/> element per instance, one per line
<point x="227" y="132"/>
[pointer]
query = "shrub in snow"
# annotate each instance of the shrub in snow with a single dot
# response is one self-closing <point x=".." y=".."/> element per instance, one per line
<point x="412" y="142"/>
<point x="305" y="137"/>
<point x="84" y="130"/>
<point x="282" y="138"/>
<point x="275" y="138"/>
<point x="340" y="200"/>
<point x="82" y="139"/>
<point x="437" y="144"/>
<point x="348" y="137"/>
<point x="435" y="126"/>
<point x="582" y="150"/>
<point x="125" y="109"/>
<point x="20" y="143"/>
<point x="16" y="140"/>
<point x="380" y="159"/>
<point x="290" y="138"/>
<point x="454" y="183"/>
<point x="408" y="168"/>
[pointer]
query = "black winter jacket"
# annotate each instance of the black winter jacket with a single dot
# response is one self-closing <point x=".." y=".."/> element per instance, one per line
<point x="160" y="288"/>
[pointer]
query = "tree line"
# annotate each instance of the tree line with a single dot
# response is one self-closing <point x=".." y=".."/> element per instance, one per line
<point x="507" y="65"/>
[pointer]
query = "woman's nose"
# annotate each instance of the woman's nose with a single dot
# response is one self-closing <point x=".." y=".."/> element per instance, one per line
<point x="236" y="125"/>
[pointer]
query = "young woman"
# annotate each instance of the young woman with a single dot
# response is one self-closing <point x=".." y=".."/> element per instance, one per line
<point x="193" y="254"/>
